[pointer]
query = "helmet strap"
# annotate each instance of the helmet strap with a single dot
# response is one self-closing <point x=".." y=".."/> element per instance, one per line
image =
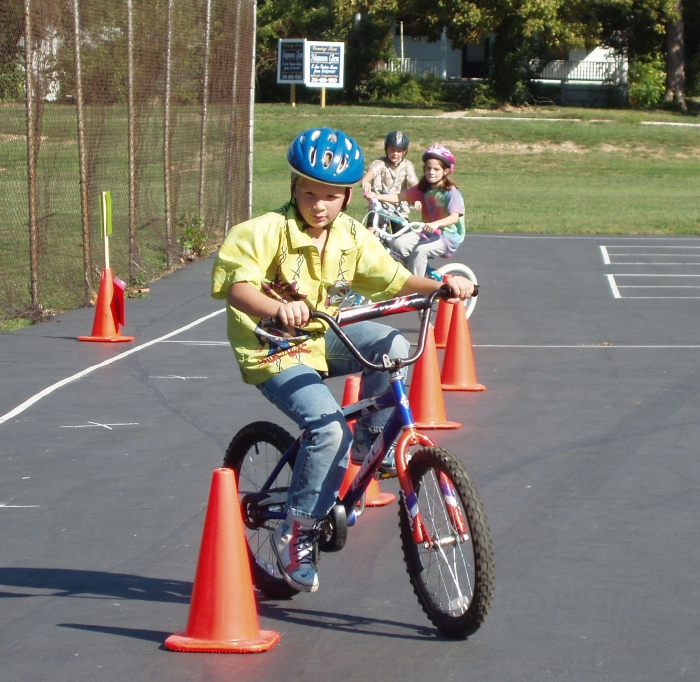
<point x="348" y="196"/>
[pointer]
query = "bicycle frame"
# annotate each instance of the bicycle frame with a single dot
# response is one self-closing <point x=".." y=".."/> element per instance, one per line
<point x="400" y="427"/>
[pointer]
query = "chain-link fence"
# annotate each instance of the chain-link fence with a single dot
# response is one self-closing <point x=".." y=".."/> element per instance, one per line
<point x="149" y="99"/>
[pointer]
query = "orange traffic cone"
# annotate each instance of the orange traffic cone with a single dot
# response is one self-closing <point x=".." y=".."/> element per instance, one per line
<point x="458" y="373"/>
<point x="109" y="312"/>
<point x="373" y="497"/>
<point x="223" y="617"/>
<point x="425" y="394"/>
<point x="442" y="323"/>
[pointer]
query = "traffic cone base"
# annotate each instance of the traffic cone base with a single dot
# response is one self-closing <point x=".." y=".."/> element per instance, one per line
<point x="425" y="393"/>
<point x="375" y="498"/>
<point x="459" y="387"/>
<point x="107" y="339"/>
<point x="434" y="426"/>
<point x="458" y="372"/>
<point x="223" y="617"/>
<point x="180" y="642"/>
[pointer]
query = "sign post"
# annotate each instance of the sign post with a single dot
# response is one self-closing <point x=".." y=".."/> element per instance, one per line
<point x="323" y="66"/>
<point x="290" y="64"/>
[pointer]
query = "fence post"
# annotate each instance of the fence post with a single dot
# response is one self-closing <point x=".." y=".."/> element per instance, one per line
<point x="84" y="201"/>
<point x="251" y="116"/>
<point x="166" y="136"/>
<point x="232" y="127"/>
<point x="205" y="105"/>
<point x="31" y="154"/>
<point x="131" y="134"/>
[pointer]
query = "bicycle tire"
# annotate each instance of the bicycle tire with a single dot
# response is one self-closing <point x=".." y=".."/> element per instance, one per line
<point x="253" y="454"/>
<point x="454" y="583"/>
<point x="463" y="271"/>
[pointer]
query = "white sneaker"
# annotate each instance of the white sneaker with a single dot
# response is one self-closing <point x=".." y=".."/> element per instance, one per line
<point x="296" y="552"/>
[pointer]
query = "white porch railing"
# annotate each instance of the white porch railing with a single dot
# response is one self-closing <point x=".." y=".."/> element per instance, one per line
<point x="609" y="72"/>
<point x="416" y="67"/>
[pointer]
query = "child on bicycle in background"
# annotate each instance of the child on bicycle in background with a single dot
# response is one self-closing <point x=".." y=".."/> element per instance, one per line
<point x="302" y="257"/>
<point x="442" y="207"/>
<point x="392" y="172"/>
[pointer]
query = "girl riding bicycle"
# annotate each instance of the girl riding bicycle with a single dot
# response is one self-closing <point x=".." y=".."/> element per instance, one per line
<point x="303" y="257"/>
<point x="442" y="207"/>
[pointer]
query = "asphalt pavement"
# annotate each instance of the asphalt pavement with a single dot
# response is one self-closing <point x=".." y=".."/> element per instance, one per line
<point x="584" y="448"/>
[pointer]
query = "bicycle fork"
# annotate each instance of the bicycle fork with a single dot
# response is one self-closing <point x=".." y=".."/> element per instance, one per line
<point x="421" y="533"/>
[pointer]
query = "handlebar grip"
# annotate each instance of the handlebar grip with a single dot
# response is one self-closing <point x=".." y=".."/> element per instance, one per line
<point x="446" y="289"/>
<point x="266" y="322"/>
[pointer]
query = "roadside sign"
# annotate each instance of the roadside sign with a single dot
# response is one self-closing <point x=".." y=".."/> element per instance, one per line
<point x="290" y="60"/>
<point x="323" y="64"/>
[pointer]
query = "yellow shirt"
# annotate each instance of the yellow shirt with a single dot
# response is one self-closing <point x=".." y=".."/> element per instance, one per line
<point x="273" y="253"/>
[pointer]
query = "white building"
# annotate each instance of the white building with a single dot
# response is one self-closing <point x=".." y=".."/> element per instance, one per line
<point x="593" y="77"/>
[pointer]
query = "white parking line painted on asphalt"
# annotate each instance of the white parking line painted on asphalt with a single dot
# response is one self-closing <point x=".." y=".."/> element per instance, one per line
<point x="4" y="505"/>
<point x="201" y="343"/>
<point x="613" y="286"/>
<point x="59" y="384"/>
<point x="175" y="376"/>
<point x="606" y="255"/>
<point x="90" y="425"/>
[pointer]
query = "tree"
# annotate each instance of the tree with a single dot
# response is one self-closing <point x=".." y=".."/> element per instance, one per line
<point x="11" y="57"/>
<point x="523" y="30"/>
<point x="635" y="28"/>
<point x="675" y="55"/>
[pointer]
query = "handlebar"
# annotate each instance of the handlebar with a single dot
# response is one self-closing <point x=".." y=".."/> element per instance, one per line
<point x="394" y="306"/>
<point x="388" y="212"/>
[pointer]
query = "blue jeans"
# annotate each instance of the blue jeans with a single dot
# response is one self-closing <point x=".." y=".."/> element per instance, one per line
<point x="301" y="394"/>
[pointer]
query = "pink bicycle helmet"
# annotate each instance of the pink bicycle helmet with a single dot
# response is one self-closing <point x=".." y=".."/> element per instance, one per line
<point x="441" y="153"/>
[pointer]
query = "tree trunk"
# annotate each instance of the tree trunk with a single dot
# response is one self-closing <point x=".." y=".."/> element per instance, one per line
<point x="675" y="48"/>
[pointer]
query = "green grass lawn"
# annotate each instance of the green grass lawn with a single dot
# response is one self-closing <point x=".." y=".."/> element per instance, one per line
<point x="567" y="171"/>
<point x="589" y="171"/>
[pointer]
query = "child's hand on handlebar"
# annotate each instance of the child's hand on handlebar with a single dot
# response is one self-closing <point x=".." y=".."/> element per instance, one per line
<point x="294" y="314"/>
<point x="460" y="288"/>
<point x="431" y="229"/>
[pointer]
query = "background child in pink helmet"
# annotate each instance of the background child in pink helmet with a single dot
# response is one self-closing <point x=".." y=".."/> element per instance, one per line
<point x="442" y="208"/>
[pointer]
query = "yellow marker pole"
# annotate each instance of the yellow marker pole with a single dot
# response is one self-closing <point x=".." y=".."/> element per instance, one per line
<point x="293" y="95"/>
<point x="323" y="98"/>
<point x="106" y="220"/>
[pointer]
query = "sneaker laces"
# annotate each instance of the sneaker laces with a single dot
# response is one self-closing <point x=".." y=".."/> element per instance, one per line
<point x="304" y="546"/>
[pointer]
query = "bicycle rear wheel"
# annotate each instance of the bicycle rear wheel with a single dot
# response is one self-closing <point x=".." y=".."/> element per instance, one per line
<point x="253" y="454"/>
<point x="463" y="271"/>
<point x="453" y="573"/>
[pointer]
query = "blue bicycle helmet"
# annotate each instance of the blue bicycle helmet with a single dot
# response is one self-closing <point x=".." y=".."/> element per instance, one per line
<point x="328" y="156"/>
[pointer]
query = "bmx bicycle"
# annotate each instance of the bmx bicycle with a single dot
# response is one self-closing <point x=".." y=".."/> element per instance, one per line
<point x="442" y="524"/>
<point x="388" y="224"/>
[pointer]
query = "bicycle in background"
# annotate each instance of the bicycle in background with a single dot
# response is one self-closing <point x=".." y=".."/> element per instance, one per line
<point x="387" y="223"/>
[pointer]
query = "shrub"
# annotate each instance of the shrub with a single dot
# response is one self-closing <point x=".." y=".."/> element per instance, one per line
<point x="482" y="97"/>
<point x="647" y="81"/>
<point x="193" y="240"/>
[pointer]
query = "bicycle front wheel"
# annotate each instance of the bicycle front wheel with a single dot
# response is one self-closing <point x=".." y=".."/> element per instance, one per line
<point x="452" y="572"/>
<point x="463" y="271"/>
<point x="253" y="454"/>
